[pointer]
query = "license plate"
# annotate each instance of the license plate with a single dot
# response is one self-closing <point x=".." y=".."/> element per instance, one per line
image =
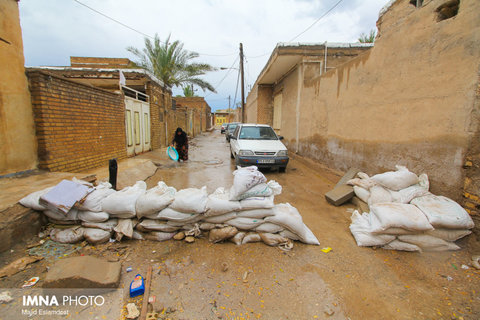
<point x="266" y="161"/>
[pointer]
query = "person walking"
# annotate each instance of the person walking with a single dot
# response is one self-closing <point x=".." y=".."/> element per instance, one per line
<point x="180" y="140"/>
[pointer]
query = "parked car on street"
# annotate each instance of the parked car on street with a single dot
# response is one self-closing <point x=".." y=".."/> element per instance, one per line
<point x="223" y="127"/>
<point x="258" y="145"/>
<point x="230" y="129"/>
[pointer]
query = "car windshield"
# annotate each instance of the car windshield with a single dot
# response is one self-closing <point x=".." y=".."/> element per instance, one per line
<point x="257" y="133"/>
<point x="232" y="127"/>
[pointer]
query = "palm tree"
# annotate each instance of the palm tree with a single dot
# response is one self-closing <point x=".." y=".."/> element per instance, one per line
<point x="172" y="64"/>
<point x="188" y="91"/>
<point x="367" y="39"/>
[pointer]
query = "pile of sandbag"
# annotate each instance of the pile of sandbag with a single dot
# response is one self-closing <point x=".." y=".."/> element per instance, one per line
<point x="245" y="213"/>
<point x="404" y="215"/>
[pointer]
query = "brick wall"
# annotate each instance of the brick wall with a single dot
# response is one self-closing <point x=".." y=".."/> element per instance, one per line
<point x="78" y="127"/>
<point x="160" y="99"/>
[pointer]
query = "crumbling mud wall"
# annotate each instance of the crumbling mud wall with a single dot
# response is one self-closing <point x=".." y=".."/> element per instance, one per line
<point x="409" y="100"/>
<point x="17" y="132"/>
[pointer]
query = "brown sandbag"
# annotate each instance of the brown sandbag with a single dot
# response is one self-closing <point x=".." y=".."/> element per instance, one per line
<point x="218" y="235"/>
<point x="237" y="239"/>
<point x="272" y="239"/>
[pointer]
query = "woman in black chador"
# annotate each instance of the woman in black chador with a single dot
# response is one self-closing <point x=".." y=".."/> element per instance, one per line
<point x="181" y="144"/>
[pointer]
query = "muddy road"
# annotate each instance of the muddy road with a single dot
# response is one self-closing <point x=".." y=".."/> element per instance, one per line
<point x="201" y="280"/>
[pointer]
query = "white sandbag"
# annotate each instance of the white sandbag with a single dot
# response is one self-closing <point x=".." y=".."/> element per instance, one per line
<point x="156" y="225"/>
<point x="32" y="200"/>
<point x="429" y="243"/>
<point x="443" y="212"/>
<point x="176" y="216"/>
<point x="408" y="194"/>
<point x="137" y="235"/>
<point x="361" y="231"/>
<point x="289" y="234"/>
<point x="155" y="200"/>
<point x="272" y="240"/>
<point x="289" y="217"/>
<point x="237" y="239"/>
<point x="379" y="194"/>
<point x="107" y="225"/>
<point x="93" y="202"/>
<point x="251" y="237"/>
<point x="396" y="180"/>
<point x="218" y="203"/>
<point x="71" y="235"/>
<point x="124" y="228"/>
<point x="361" y="193"/>
<point x="158" y="236"/>
<point x="121" y="204"/>
<point x="392" y="231"/>
<point x="72" y="215"/>
<point x="218" y="235"/>
<point x="190" y="200"/>
<point x="269" y="227"/>
<point x="362" y="183"/>
<point x="95" y="236"/>
<point x="221" y="218"/>
<point x="399" y="215"/>
<point x="206" y="226"/>
<point x="401" y="246"/>
<point x="275" y="186"/>
<point x="256" y="213"/>
<point x="244" y="223"/>
<point x="257" y="203"/>
<point x="244" y="179"/>
<point x="63" y="222"/>
<point x="91" y="216"/>
<point x="449" y="234"/>
<point x="85" y="183"/>
<point x="259" y="190"/>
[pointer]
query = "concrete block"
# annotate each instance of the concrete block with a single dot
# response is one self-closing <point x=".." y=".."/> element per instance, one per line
<point x="83" y="272"/>
<point x="361" y="206"/>
<point x="350" y="174"/>
<point x="339" y="195"/>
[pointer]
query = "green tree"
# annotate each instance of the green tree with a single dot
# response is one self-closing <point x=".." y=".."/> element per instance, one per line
<point x="188" y="91"/>
<point x="171" y="63"/>
<point x="367" y="38"/>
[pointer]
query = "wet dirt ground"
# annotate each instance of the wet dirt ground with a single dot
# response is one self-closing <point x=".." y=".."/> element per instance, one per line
<point x="202" y="280"/>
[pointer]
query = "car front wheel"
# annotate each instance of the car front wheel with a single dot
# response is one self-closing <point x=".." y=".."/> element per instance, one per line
<point x="282" y="169"/>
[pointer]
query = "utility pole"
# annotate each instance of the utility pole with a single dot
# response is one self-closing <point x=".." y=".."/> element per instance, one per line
<point x="241" y="75"/>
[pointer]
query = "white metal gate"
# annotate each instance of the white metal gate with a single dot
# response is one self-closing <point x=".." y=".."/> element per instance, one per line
<point x="137" y="124"/>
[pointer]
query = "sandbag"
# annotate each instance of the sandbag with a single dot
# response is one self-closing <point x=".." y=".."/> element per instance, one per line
<point x="92" y="216"/>
<point x="257" y="203"/>
<point x="269" y="227"/>
<point x="244" y="223"/>
<point x="244" y="179"/>
<point x="107" y="225"/>
<point x="176" y="216"/>
<point x="449" y="234"/>
<point x="272" y="240"/>
<point x="221" y="218"/>
<point x="417" y="190"/>
<point x="396" y="180"/>
<point x="206" y="226"/>
<point x="399" y="215"/>
<point x="443" y="212"/>
<point x="158" y="236"/>
<point x="428" y="243"/>
<point x="218" y="203"/>
<point x="95" y="236"/>
<point x="190" y="200"/>
<point x="218" y="235"/>
<point x="361" y="231"/>
<point x="289" y="234"/>
<point x="361" y="193"/>
<point x="289" y="217"/>
<point x="121" y="204"/>
<point x="124" y="228"/>
<point x="392" y="231"/>
<point x="155" y="200"/>
<point x="260" y="190"/>
<point x="362" y="183"/>
<point x="32" y="200"/>
<point x="93" y="202"/>
<point x="71" y="216"/>
<point x="137" y="235"/>
<point x="71" y="235"/>
<point x="251" y="237"/>
<point x="156" y="225"/>
<point x="256" y="213"/>
<point x="237" y="239"/>
<point x="402" y="246"/>
<point x="379" y="194"/>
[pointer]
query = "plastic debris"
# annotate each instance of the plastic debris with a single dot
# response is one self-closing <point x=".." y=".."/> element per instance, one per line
<point x="137" y="286"/>
<point x="326" y="249"/>
<point x="30" y="282"/>
<point x="129" y="269"/>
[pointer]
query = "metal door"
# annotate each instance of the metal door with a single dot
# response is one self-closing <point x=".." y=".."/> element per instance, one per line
<point x="137" y="124"/>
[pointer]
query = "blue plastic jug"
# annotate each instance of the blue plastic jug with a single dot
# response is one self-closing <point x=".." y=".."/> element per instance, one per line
<point x="137" y="287"/>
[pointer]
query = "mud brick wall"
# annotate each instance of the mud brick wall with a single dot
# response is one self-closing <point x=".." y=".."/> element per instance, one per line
<point x="78" y="127"/>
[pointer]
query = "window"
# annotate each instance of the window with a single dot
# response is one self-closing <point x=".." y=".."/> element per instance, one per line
<point x="257" y="133"/>
<point x="447" y="10"/>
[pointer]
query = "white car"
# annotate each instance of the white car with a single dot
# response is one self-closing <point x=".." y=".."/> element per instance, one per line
<point x="258" y="145"/>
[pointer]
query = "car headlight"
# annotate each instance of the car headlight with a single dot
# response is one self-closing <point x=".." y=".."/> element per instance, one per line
<point x="245" y="153"/>
<point x="282" y="153"/>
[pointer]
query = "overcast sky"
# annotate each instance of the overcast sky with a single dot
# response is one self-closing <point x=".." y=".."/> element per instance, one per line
<point x="54" y="30"/>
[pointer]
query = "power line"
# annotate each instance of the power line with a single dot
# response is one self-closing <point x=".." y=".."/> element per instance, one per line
<point x="144" y="34"/>
<point x="220" y="82"/>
